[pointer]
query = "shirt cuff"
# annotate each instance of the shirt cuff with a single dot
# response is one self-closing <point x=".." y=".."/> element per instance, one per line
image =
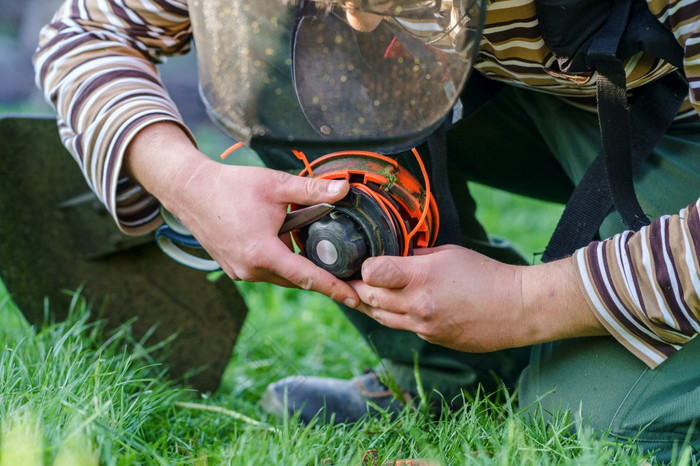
<point x="627" y="281"/>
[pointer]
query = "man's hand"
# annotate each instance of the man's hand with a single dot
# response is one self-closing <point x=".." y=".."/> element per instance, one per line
<point x="463" y="300"/>
<point x="235" y="212"/>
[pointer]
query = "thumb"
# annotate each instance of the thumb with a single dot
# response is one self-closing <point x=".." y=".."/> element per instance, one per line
<point x="433" y="250"/>
<point x="308" y="191"/>
<point x="387" y="271"/>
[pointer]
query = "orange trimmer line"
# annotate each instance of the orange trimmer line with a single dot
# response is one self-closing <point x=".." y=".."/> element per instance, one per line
<point x="386" y="206"/>
<point x="428" y="195"/>
<point x="301" y="156"/>
<point x="228" y="151"/>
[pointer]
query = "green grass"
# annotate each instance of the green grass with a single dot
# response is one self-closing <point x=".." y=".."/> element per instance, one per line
<point x="70" y="394"/>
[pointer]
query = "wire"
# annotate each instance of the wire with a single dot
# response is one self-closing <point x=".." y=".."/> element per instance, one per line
<point x="428" y="195"/>
<point x="232" y="148"/>
<point x="385" y="204"/>
<point x="389" y="208"/>
<point x="301" y="156"/>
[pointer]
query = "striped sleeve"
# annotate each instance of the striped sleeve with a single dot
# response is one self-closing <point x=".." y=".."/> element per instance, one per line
<point x="95" y="64"/>
<point x="683" y="19"/>
<point x="644" y="287"/>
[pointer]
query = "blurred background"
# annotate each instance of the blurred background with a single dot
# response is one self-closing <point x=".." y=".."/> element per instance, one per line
<point x="19" y="28"/>
<point x="20" y="24"/>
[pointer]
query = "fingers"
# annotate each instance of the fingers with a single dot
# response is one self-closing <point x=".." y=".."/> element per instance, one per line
<point x="386" y="318"/>
<point x="308" y="191"/>
<point x="399" y="272"/>
<point x="302" y="273"/>
<point x="387" y="284"/>
<point x="375" y="298"/>
<point x="380" y="304"/>
<point x="388" y="271"/>
<point x="426" y="251"/>
<point x="395" y="308"/>
<point x="412" y="310"/>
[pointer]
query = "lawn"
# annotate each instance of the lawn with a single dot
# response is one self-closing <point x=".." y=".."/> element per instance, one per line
<point x="72" y="394"/>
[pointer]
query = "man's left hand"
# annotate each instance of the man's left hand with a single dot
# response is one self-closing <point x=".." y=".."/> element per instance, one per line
<point x="460" y="299"/>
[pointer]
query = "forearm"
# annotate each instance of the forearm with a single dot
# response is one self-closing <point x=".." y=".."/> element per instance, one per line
<point x="553" y="305"/>
<point x="162" y="157"/>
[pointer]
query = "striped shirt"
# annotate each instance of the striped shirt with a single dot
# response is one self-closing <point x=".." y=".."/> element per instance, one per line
<point x="644" y="286"/>
<point x="513" y="51"/>
<point x="96" y="63"/>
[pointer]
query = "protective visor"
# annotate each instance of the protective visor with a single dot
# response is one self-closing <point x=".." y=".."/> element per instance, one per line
<point x="281" y="71"/>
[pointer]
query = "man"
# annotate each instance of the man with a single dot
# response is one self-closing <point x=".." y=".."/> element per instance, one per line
<point x="613" y="325"/>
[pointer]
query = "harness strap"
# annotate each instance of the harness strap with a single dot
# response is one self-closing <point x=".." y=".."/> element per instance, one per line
<point x="628" y="138"/>
<point x="650" y="117"/>
<point x="450" y="231"/>
<point x="478" y="91"/>
<point x="613" y="115"/>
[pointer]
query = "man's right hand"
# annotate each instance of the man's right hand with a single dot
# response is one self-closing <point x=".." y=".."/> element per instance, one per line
<point x="235" y="212"/>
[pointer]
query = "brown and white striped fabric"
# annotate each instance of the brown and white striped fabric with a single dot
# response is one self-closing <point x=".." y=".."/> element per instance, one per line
<point x="512" y="50"/>
<point x="644" y="287"/>
<point x="96" y="64"/>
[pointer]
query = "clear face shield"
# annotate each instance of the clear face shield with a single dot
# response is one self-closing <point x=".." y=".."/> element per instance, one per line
<point x="441" y="24"/>
<point x="362" y="73"/>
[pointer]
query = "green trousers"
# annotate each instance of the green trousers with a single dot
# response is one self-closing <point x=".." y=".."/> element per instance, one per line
<point x="536" y="145"/>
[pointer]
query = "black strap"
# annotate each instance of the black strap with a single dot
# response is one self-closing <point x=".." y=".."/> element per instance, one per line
<point x="450" y="231"/>
<point x="628" y="137"/>
<point x="614" y="117"/>
<point x="478" y="91"/>
<point x="650" y="117"/>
